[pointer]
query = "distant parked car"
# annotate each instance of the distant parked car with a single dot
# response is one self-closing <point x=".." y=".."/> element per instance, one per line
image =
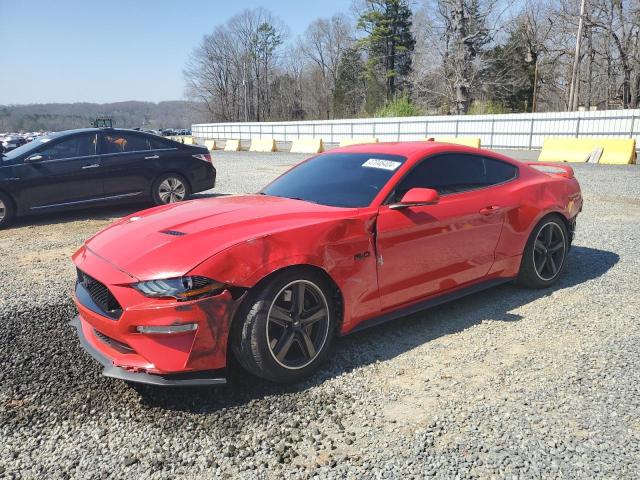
<point x="10" y="143"/>
<point x="80" y="168"/>
<point x="152" y="132"/>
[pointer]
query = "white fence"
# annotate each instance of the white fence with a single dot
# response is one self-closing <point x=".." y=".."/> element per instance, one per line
<point x="518" y="130"/>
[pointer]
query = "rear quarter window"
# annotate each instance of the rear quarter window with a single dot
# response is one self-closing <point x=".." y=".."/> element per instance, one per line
<point x="499" y="172"/>
<point x="161" y="143"/>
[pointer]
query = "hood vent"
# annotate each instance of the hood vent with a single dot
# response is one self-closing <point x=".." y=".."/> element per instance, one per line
<point x="175" y="233"/>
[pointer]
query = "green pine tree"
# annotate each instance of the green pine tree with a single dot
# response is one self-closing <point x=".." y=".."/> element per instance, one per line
<point x="389" y="44"/>
<point x="511" y="70"/>
<point x="349" y="92"/>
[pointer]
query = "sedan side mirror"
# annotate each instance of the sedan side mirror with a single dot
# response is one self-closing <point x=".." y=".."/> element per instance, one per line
<point x="417" y="197"/>
<point x="36" y="157"/>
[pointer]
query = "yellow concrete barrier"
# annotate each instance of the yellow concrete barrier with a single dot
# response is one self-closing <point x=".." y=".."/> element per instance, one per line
<point x="187" y="140"/>
<point x="307" y="145"/>
<point x="210" y="144"/>
<point x="620" y="151"/>
<point x="232" y="146"/>
<point x="263" y="145"/>
<point x="345" y="142"/>
<point x="466" y="141"/>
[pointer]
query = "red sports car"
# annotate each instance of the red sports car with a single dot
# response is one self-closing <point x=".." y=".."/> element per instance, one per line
<point x="346" y="239"/>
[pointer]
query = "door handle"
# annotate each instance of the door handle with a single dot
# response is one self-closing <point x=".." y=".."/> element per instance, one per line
<point x="489" y="210"/>
<point x="93" y="165"/>
<point x="152" y="157"/>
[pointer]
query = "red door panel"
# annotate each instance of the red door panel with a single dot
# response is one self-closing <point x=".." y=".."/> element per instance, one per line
<point x="425" y="250"/>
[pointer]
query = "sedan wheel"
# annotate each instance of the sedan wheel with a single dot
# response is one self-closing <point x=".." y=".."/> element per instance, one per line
<point x="7" y="211"/>
<point x="172" y="190"/>
<point x="297" y="324"/>
<point x="284" y="328"/>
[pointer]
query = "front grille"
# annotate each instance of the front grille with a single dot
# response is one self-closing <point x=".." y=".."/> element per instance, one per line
<point x="100" y="295"/>
<point x="121" y="347"/>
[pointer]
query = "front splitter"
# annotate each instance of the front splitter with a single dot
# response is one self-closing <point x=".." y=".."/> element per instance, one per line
<point x="170" y="380"/>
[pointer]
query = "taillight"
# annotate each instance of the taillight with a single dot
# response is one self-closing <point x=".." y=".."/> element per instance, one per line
<point x="205" y="157"/>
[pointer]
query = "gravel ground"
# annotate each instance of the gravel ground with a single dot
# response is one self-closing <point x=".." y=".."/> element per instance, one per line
<point x="507" y="383"/>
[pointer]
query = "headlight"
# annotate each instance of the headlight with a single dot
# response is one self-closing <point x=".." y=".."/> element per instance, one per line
<point x="181" y="288"/>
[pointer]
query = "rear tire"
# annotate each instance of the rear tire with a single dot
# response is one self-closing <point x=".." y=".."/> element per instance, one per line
<point x="545" y="254"/>
<point x="170" y="188"/>
<point x="7" y="211"/>
<point x="284" y="329"/>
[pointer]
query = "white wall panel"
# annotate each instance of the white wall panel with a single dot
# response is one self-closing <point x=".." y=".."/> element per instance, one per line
<point x="523" y="130"/>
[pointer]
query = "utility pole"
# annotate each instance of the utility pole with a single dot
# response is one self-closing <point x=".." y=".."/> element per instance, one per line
<point x="576" y="60"/>
<point x="535" y="88"/>
<point x="244" y="85"/>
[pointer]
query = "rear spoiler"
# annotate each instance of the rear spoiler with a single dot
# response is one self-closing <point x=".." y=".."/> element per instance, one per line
<point x="553" y="168"/>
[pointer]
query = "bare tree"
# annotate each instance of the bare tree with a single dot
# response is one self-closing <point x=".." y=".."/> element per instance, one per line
<point x="484" y="55"/>
<point x="231" y="70"/>
<point x="323" y="45"/>
<point x="620" y="21"/>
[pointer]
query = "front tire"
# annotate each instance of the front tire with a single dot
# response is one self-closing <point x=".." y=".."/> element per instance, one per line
<point x="284" y="329"/>
<point x="545" y="254"/>
<point x="170" y="188"/>
<point x="7" y="211"/>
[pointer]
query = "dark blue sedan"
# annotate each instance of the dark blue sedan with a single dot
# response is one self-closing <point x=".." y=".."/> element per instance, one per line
<point x="98" y="166"/>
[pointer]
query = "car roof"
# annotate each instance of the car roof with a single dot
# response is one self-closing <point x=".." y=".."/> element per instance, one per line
<point x="398" y="148"/>
<point x="92" y="129"/>
<point x="417" y="149"/>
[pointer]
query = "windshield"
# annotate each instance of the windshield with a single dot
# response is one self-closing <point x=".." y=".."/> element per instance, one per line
<point x="27" y="147"/>
<point x="337" y="179"/>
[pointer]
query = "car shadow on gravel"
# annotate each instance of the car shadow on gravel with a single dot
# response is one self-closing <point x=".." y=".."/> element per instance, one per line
<point x="386" y="341"/>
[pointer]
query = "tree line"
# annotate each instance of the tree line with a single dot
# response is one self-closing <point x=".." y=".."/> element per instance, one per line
<point x="399" y="58"/>
<point x="64" y="116"/>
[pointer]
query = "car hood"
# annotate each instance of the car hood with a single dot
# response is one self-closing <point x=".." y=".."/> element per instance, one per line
<point x="171" y="240"/>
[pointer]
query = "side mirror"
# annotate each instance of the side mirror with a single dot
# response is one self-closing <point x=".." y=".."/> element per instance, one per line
<point x="417" y="197"/>
<point x="36" y="157"/>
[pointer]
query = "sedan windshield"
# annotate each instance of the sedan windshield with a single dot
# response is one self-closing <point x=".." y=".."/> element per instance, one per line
<point x="337" y="179"/>
<point x="27" y="147"/>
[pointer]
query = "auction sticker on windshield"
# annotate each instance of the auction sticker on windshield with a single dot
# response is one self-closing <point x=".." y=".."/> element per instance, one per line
<point x="381" y="164"/>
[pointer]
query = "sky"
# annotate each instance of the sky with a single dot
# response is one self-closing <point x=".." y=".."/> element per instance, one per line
<point x="110" y="51"/>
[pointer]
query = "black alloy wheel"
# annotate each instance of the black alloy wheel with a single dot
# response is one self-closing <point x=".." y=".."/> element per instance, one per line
<point x="545" y="254"/>
<point x="285" y="326"/>
<point x="549" y="251"/>
<point x="297" y="324"/>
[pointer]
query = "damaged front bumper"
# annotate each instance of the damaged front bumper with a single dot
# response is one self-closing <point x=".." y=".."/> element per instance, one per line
<point x="148" y="340"/>
<point x="198" y="378"/>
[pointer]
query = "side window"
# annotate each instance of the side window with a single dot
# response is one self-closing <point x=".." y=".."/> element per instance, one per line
<point x="448" y="173"/>
<point x="76" y="146"/>
<point x="499" y="172"/>
<point x="452" y="173"/>
<point x="123" y="143"/>
<point x="159" y="144"/>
